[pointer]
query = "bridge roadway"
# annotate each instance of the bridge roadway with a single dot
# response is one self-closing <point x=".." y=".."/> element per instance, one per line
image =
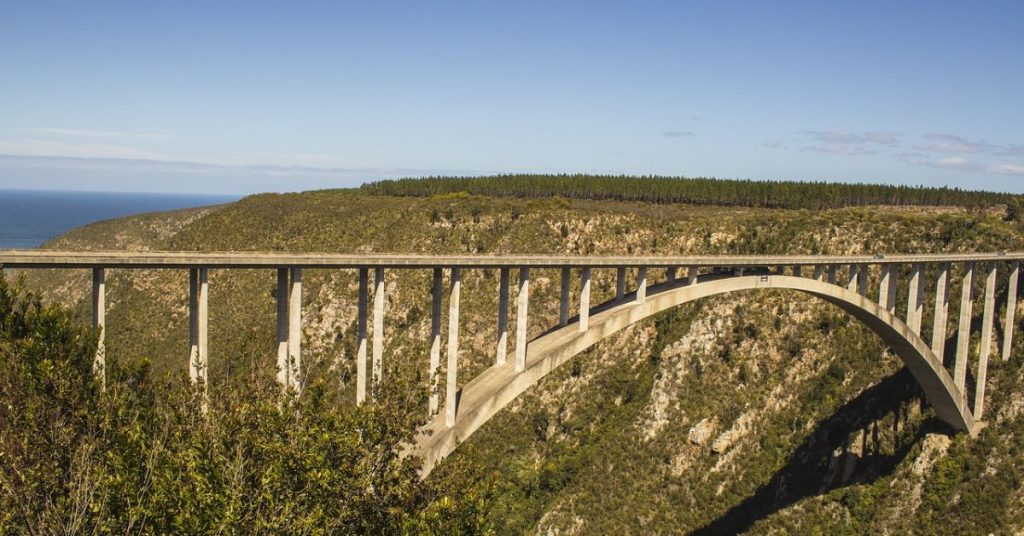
<point x="42" y="258"/>
<point x="841" y="280"/>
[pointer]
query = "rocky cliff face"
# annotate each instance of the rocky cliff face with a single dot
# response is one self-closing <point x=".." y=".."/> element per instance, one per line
<point x="763" y="411"/>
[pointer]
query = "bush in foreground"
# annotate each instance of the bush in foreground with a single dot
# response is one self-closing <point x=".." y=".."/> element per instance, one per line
<point x="140" y="458"/>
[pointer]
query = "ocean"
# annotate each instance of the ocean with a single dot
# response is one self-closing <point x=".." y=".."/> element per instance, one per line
<point x="30" y="217"/>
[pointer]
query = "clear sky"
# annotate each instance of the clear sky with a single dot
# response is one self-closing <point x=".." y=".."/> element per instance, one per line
<point x="238" y="97"/>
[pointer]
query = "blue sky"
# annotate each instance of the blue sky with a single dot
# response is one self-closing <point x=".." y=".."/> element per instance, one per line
<point x="239" y="97"/>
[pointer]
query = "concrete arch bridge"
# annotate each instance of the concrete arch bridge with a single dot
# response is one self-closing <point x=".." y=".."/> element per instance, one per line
<point x="644" y="286"/>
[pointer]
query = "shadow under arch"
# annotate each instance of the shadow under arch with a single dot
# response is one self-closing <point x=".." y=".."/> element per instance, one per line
<point x="802" y="475"/>
<point x="496" y="387"/>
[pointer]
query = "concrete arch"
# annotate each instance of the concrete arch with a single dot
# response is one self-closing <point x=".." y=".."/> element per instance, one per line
<point x="496" y="387"/>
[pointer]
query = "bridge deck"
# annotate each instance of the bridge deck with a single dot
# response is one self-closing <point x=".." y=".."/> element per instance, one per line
<point x="42" y="258"/>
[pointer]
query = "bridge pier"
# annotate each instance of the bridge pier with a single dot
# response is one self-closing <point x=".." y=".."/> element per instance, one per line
<point x="199" y="292"/>
<point x="832" y="269"/>
<point x="887" y="288"/>
<point x="451" y="392"/>
<point x="378" y="326"/>
<point x="502" y="350"/>
<point x="585" y="298"/>
<point x="819" y="272"/>
<point x="858" y="279"/>
<point x="941" y="312"/>
<point x="641" y="284"/>
<point x="915" y="299"/>
<point x="883" y="287"/>
<point x="282" y="326"/>
<point x="435" y="341"/>
<point x="1011" y="310"/>
<point x="563" y="304"/>
<point x="988" y="315"/>
<point x="620" y="282"/>
<point x="796" y="270"/>
<point x="99" y="323"/>
<point x="963" y="334"/>
<point x="361" y="350"/>
<point x="522" y="309"/>
<point x="295" y="331"/>
<point x="691" y="275"/>
<point x="670" y="274"/>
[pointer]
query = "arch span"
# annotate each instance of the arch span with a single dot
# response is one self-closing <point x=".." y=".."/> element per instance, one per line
<point x="496" y="387"/>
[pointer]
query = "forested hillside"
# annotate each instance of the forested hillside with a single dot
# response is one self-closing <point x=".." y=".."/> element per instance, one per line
<point x="765" y="412"/>
<point x="696" y="191"/>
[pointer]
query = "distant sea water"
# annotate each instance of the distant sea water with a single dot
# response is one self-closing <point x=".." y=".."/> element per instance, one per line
<point x="30" y="217"/>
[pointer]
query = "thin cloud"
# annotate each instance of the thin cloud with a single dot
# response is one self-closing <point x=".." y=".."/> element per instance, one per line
<point x="950" y="162"/>
<point x="1011" y="150"/>
<point x="78" y="133"/>
<point x="883" y="138"/>
<point x="678" y="134"/>
<point x="163" y="176"/>
<point x="1006" y="169"/>
<point x="850" y="143"/>
<point x="68" y="149"/>
<point x="956" y="162"/>
<point x="835" y="137"/>
<point x="849" y="150"/>
<point x="950" y="151"/>
<point x="954" y="144"/>
<point x="34" y="147"/>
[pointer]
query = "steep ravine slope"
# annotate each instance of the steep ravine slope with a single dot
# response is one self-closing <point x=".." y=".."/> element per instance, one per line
<point x="767" y="412"/>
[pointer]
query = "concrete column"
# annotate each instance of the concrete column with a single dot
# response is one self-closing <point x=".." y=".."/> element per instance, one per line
<point x="620" y="282"/>
<point x="193" y="322"/>
<point x="522" y="308"/>
<point x="295" y="331"/>
<point x="585" y="299"/>
<point x="883" y="288"/>
<point x="1011" y="310"/>
<point x="691" y="275"/>
<point x="819" y="272"/>
<point x="378" y="326"/>
<point x="435" y="341"/>
<point x="887" y="288"/>
<point x="204" y="322"/>
<point x="854" y="273"/>
<point x="862" y="281"/>
<point x="502" y="318"/>
<point x="198" y="323"/>
<point x="451" y="393"/>
<point x="797" y="270"/>
<point x="988" y="319"/>
<point x="282" y="326"/>
<point x="963" y="334"/>
<point x="641" y="285"/>
<point x="915" y="299"/>
<point x="670" y="274"/>
<point x="363" y="300"/>
<point x="941" y="311"/>
<point x="832" y="269"/>
<point x="99" y="323"/>
<point x="563" y="305"/>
